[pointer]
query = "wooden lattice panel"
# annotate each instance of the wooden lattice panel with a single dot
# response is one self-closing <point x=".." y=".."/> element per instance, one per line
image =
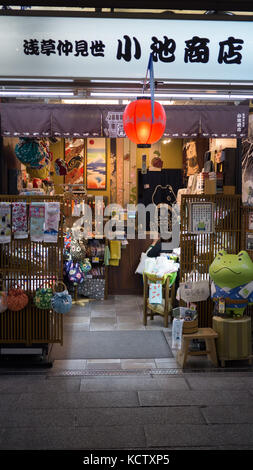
<point x="199" y="250"/>
<point x="31" y="265"/>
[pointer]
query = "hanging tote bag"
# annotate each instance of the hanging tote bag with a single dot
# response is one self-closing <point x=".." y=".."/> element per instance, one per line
<point x="17" y="299"/>
<point x="75" y="273"/>
<point x="42" y="298"/>
<point x="3" y="301"/>
<point x="194" y="291"/>
<point x="61" y="301"/>
<point x="77" y="251"/>
<point x="85" y="265"/>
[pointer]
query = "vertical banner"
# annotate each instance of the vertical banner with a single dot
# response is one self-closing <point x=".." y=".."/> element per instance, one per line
<point x="133" y="175"/>
<point x="113" y="172"/>
<point x="96" y="164"/>
<point x="120" y="153"/>
<point x="126" y="171"/>
<point x="74" y="157"/>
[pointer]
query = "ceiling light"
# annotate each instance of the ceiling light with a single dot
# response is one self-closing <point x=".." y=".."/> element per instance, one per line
<point x="80" y="101"/>
<point x="175" y="96"/>
<point x="117" y="81"/>
<point x="7" y="79"/>
<point x="36" y="93"/>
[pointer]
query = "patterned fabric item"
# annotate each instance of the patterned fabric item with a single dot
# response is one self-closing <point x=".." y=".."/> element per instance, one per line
<point x="17" y="299"/>
<point x="77" y="251"/>
<point x="5" y="222"/>
<point x="61" y="167"/>
<point x="52" y="218"/>
<point x="43" y="297"/>
<point x="29" y="151"/>
<point x="61" y="302"/>
<point x="19" y="220"/>
<point x="85" y="265"/>
<point x="75" y="273"/>
<point x="37" y="219"/>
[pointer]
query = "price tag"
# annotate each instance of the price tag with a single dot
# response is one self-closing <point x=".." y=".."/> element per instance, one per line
<point x="222" y="305"/>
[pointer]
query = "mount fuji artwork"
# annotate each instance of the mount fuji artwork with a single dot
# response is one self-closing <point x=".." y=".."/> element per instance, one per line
<point x="96" y="164"/>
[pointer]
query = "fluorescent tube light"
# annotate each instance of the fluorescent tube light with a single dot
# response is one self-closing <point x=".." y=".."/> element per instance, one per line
<point x="174" y="96"/>
<point x="36" y="93"/>
<point x="81" y="101"/>
<point x="117" y="81"/>
<point x="70" y="80"/>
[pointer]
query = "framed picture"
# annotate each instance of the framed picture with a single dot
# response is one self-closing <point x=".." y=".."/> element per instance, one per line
<point x="201" y="216"/>
<point x="250" y="220"/>
<point x="249" y="241"/>
<point x="74" y="156"/>
<point x="96" y="164"/>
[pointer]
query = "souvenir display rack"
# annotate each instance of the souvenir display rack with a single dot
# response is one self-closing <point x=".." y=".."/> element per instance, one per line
<point x="31" y="265"/>
<point x="199" y="249"/>
<point x="78" y="194"/>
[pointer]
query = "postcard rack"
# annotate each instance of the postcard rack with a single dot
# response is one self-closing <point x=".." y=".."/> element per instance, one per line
<point x="31" y="265"/>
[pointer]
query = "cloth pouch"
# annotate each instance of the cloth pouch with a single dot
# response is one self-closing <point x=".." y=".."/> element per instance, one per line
<point x="37" y="219"/>
<point x="19" y="220"/>
<point x="52" y="218"/>
<point x="5" y="222"/>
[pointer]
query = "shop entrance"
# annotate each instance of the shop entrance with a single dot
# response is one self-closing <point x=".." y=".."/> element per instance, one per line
<point x="109" y="299"/>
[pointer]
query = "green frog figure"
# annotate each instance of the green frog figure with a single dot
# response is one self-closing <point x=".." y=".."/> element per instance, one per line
<point x="232" y="277"/>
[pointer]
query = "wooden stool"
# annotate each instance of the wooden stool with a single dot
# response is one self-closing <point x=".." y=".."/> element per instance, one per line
<point x="164" y="309"/>
<point x="206" y="334"/>
<point x="234" y="339"/>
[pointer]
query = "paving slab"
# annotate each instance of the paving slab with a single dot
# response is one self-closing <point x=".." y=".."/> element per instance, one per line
<point x="36" y="418"/>
<point x="199" y="435"/>
<point x="19" y="383"/>
<point x="219" y="382"/>
<point x="133" y="383"/>
<point x="138" y="416"/>
<point x="228" y="414"/>
<point x="8" y="400"/>
<point x="194" y="398"/>
<point x="55" y="438"/>
<point x="66" y="400"/>
<point x="69" y="364"/>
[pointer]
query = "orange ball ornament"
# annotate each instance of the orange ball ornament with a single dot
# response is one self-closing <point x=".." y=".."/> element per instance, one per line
<point x="138" y="125"/>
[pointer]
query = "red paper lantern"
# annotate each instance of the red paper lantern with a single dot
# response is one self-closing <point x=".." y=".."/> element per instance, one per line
<point x="138" y="125"/>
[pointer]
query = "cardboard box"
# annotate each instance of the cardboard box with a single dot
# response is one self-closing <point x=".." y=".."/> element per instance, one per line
<point x="229" y="189"/>
<point x="210" y="187"/>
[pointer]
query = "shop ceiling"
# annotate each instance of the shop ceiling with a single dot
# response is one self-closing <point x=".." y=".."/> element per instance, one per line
<point x="224" y="5"/>
<point x="54" y="89"/>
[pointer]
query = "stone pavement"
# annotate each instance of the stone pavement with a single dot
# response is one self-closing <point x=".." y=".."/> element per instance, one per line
<point x="125" y="404"/>
<point x="200" y="410"/>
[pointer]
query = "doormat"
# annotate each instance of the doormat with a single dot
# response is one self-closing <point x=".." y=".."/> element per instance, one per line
<point x="112" y="345"/>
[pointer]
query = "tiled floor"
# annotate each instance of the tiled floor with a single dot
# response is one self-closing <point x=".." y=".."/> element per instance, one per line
<point x="125" y="404"/>
<point x="122" y="312"/>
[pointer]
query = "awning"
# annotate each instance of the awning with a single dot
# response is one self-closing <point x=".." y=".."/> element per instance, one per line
<point x="63" y="120"/>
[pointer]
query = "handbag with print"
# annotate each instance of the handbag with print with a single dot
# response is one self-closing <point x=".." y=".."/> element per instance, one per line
<point x="194" y="291"/>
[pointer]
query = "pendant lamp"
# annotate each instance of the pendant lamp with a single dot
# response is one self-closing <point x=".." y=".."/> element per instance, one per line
<point x="142" y="124"/>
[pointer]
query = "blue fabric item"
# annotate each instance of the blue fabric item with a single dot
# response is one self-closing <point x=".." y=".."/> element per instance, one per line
<point x="232" y="294"/>
<point x="61" y="302"/>
<point x="30" y="152"/>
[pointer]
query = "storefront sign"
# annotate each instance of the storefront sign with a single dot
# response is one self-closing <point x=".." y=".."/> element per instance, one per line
<point x="89" y="47"/>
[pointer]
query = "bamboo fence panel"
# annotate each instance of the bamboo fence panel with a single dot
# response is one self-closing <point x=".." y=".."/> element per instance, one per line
<point x="199" y="250"/>
<point x="31" y="265"/>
